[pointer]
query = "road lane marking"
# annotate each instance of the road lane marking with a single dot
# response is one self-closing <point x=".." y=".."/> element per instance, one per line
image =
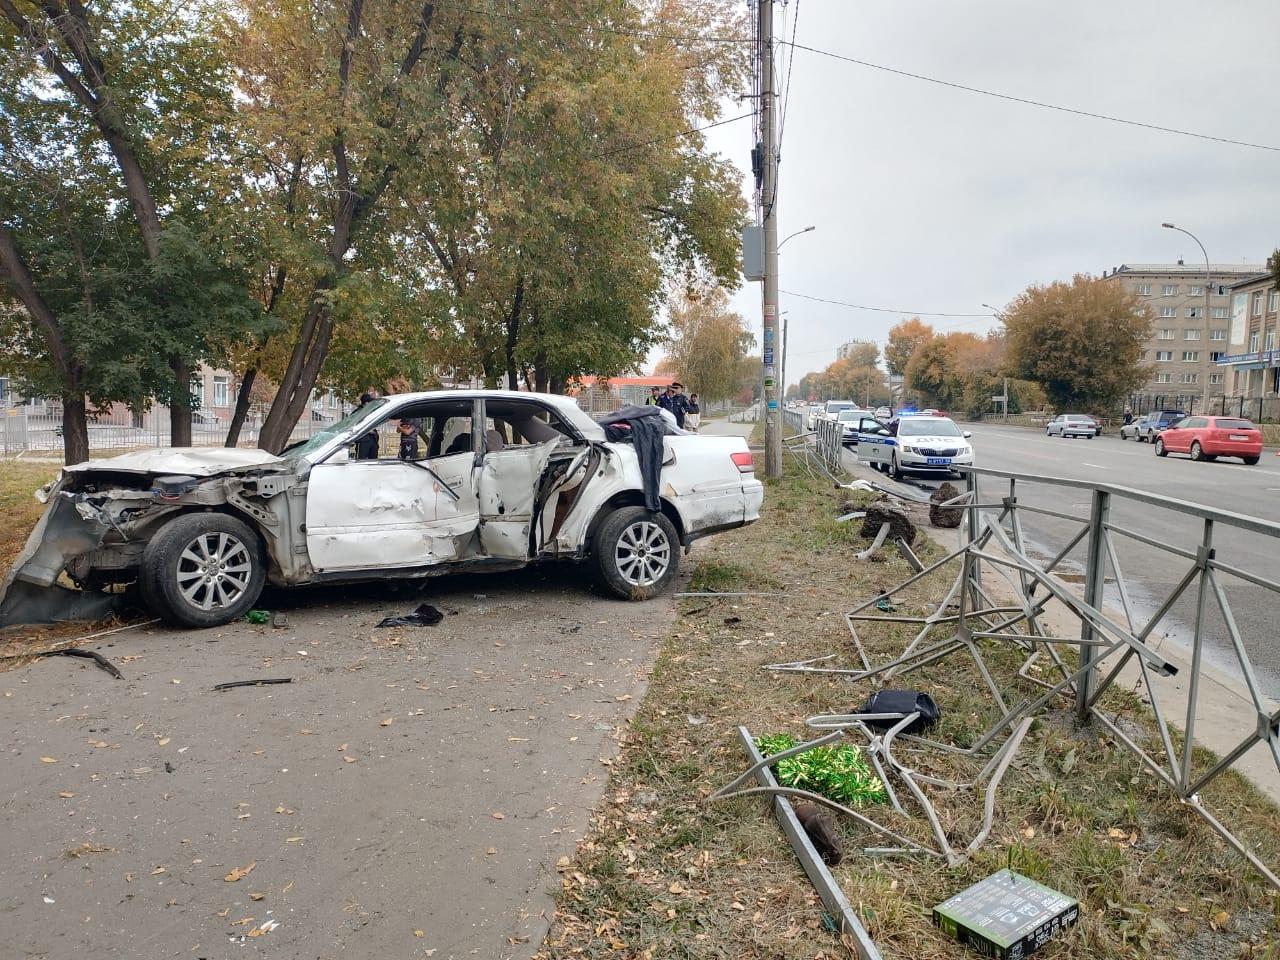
<point x="1094" y="465"/>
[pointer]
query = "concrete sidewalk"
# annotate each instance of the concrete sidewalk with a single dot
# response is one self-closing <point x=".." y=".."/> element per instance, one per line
<point x="408" y="793"/>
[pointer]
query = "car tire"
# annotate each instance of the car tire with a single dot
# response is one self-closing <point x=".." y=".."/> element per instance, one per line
<point x="1196" y="452"/>
<point x="895" y="471"/>
<point x="1251" y="461"/>
<point x="203" y="570"/>
<point x="1160" y="450"/>
<point x="635" y="553"/>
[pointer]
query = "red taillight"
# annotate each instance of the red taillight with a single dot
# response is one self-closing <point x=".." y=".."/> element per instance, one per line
<point x="742" y="460"/>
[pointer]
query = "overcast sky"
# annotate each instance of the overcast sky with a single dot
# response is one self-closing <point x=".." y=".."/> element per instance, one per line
<point x="932" y="199"/>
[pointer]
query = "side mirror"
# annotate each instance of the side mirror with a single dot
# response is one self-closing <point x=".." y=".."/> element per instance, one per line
<point x="968" y="434"/>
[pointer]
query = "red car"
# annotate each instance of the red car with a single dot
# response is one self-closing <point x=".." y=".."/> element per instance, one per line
<point x="1207" y="438"/>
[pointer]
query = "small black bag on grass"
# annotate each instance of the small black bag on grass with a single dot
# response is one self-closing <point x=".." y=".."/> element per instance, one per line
<point x="902" y="701"/>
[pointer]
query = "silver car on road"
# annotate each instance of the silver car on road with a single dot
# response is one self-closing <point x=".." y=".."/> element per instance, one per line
<point x="1072" y="425"/>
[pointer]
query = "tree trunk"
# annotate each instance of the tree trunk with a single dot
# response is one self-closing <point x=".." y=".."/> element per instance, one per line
<point x="556" y="384"/>
<point x="540" y="372"/>
<point x="243" y="399"/>
<point x="180" y="405"/>
<point x="295" y="386"/>
<point x="75" y="430"/>
<point x="513" y="334"/>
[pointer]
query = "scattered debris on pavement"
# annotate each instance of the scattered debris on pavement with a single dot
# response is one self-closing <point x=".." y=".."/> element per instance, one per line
<point x="97" y="658"/>
<point x="265" y="681"/>
<point x="425" y="616"/>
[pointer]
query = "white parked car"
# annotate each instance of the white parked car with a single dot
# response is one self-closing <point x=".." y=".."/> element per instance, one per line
<point x="201" y="530"/>
<point x="1072" y="425"/>
<point x="915" y="444"/>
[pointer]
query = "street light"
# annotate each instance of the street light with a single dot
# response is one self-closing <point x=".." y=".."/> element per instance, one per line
<point x="796" y="234"/>
<point x="1204" y="393"/>
<point x="1004" y="400"/>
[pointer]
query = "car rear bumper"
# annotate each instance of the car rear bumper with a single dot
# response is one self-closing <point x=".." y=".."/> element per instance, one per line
<point x="1226" y="448"/>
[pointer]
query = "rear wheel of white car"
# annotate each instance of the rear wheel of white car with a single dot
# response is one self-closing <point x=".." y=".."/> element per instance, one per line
<point x="636" y="553"/>
<point x="203" y="570"/>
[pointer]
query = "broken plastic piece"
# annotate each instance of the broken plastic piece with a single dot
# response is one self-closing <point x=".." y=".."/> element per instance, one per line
<point x="258" y="616"/>
<point x="425" y="616"/>
<point x="231" y="684"/>
<point x="97" y="658"/>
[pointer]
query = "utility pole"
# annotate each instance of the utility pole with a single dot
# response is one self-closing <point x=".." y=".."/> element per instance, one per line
<point x="769" y="217"/>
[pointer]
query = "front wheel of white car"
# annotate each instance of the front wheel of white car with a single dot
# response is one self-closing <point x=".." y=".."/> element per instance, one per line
<point x="636" y="553"/>
<point x="202" y="570"/>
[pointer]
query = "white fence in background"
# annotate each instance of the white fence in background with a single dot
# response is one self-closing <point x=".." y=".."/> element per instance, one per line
<point x="24" y="431"/>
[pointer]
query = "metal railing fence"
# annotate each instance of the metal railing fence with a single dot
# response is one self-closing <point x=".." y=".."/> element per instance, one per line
<point x="995" y="540"/>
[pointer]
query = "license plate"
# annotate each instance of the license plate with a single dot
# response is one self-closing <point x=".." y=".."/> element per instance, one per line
<point x="1238" y="436"/>
<point x="937" y="461"/>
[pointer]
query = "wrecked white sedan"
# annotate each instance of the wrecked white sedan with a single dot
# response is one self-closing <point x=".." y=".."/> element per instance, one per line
<point x="494" y="480"/>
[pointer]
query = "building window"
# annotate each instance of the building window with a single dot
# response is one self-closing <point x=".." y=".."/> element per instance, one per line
<point x="1216" y="355"/>
<point x="1164" y="334"/>
<point x="1162" y="355"/>
<point x="1257" y="303"/>
<point x="1144" y="289"/>
<point x="1195" y="313"/>
<point x="1191" y="378"/>
<point x="1190" y="356"/>
<point x="1164" y="378"/>
<point x="4" y="389"/>
<point x="1168" y="311"/>
<point x="1190" y="334"/>
<point x="1270" y="342"/>
<point x="1219" y="313"/>
<point x="220" y="390"/>
<point x="1170" y="289"/>
<point x="1253" y="342"/>
<point x="1196" y="290"/>
<point x="1272" y="300"/>
<point x="1215" y="378"/>
<point x="1217" y="334"/>
<point x="1220" y="289"/>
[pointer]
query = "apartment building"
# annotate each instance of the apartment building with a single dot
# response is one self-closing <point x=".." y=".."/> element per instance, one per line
<point x="1252" y="363"/>
<point x="1186" y="344"/>
<point x="847" y="348"/>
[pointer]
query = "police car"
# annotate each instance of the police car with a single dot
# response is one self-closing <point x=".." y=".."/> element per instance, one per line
<point x="915" y="444"/>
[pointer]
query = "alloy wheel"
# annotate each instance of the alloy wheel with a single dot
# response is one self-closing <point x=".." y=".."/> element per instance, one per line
<point x="214" y="570"/>
<point x="643" y="553"/>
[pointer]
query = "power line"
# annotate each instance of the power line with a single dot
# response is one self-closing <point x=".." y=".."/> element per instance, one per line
<point x="859" y="306"/>
<point x="673" y="136"/>
<point x="791" y="62"/>
<point x="1032" y="103"/>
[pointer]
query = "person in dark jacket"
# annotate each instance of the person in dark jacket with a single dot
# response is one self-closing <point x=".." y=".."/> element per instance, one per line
<point x="408" y="431"/>
<point x="367" y="445"/>
<point x="679" y="403"/>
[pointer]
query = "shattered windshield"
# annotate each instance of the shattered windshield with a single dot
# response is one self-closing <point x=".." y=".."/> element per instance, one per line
<point x="319" y="439"/>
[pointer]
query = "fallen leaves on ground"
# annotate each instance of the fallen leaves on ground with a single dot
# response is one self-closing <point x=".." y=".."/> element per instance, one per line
<point x="239" y="873"/>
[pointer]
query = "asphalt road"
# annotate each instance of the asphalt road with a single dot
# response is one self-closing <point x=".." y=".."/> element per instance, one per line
<point x="407" y="795"/>
<point x="1153" y="574"/>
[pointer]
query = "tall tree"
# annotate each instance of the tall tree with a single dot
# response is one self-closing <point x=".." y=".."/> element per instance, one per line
<point x="1081" y="341"/>
<point x="358" y="97"/>
<point x="113" y="109"/>
<point x="904" y="337"/>
<point x="708" y="344"/>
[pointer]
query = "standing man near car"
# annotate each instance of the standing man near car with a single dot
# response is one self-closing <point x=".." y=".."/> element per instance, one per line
<point x="367" y="446"/>
<point x="679" y="403"/>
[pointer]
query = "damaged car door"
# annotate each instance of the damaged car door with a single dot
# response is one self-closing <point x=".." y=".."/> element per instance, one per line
<point x="393" y="513"/>
<point x="521" y="438"/>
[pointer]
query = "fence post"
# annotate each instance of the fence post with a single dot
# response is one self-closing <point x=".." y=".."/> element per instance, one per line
<point x="1095" y="580"/>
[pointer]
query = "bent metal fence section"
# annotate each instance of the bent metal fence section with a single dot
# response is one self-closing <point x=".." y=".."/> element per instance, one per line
<point x="994" y="546"/>
<point x="1105" y="646"/>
